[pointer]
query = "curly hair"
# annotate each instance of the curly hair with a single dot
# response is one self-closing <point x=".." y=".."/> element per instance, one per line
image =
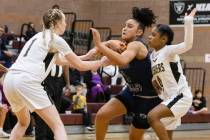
<point x="144" y="16"/>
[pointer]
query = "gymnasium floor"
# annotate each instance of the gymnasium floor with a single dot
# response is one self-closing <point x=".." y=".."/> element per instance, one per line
<point x="178" y="135"/>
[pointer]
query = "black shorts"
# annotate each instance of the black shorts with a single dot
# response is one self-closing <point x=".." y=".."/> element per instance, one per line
<point x="139" y="106"/>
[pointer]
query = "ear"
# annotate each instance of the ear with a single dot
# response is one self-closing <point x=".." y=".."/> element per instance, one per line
<point x="139" y="32"/>
<point x="164" y="39"/>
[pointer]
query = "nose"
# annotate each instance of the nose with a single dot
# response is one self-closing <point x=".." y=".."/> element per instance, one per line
<point x="149" y="37"/>
<point x="124" y="29"/>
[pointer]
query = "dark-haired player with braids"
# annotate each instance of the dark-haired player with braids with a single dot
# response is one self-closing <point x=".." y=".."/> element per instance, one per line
<point x="139" y="97"/>
<point x="22" y="83"/>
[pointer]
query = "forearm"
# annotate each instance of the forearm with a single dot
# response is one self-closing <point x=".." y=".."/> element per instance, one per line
<point x="188" y="38"/>
<point x="75" y="62"/>
<point x="113" y="56"/>
<point x="85" y="57"/>
<point x="202" y="111"/>
<point x="90" y="55"/>
<point x="86" y="65"/>
<point x="89" y="65"/>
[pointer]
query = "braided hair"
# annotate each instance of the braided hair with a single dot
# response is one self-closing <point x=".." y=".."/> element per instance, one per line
<point x="50" y="19"/>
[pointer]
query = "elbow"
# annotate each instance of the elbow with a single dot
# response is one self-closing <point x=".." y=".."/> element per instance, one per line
<point x="189" y="45"/>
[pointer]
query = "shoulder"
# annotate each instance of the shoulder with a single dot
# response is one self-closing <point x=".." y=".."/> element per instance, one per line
<point x="38" y="35"/>
<point x="60" y="41"/>
<point x="136" y="45"/>
<point x="57" y="37"/>
<point x="139" y="47"/>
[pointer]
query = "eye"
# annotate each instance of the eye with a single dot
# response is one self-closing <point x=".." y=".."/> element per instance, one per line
<point x="130" y="25"/>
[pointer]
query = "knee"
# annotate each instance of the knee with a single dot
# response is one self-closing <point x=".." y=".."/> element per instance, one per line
<point x="57" y="125"/>
<point x="24" y="123"/>
<point x="102" y="116"/>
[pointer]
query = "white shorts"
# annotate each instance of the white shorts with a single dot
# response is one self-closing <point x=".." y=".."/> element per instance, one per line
<point x="171" y="123"/>
<point x="179" y="106"/>
<point x="22" y="90"/>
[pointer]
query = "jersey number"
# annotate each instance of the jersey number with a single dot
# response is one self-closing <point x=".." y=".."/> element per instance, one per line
<point x="158" y="85"/>
<point x="29" y="47"/>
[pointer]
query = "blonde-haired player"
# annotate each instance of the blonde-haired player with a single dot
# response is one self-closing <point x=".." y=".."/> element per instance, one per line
<point x="22" y="83"/>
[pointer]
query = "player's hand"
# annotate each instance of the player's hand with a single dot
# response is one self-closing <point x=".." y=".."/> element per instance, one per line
<point x="67" y="90"/>
<point x="92" y="53"/>
<point x="192" y="13"/>
<point x="116" y="45"/>
<point x="96" y="37"/>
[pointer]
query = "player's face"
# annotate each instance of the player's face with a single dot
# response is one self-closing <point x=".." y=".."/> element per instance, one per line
<point x="199" y="95"/>
<point x="130" y="30"/>
<point x="154" y="39"/>
<point x="61" y="25"/>
<point x="79" y="90"/>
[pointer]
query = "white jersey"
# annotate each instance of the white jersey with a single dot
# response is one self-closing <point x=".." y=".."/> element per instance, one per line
<point x="32" y="57"/>
<point x="168" y="78"/>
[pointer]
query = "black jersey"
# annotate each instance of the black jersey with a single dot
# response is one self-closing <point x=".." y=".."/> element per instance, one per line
<point x="138" y="75"/>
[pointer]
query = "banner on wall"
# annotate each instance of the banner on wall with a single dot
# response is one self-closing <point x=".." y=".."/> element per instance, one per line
<point x="178" y="8"/>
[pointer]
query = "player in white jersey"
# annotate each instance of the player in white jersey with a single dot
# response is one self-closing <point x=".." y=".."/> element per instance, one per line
<point x="22" y="83"/>
<point x="168" y="78"/>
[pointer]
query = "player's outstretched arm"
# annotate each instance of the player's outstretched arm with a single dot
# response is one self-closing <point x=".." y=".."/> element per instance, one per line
<point x="188" y="36"/>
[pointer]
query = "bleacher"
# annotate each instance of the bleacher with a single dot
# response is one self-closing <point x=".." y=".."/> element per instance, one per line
<point x="77" y="118"/>
<point x="79" y="37"/>
<point x="196" y="118"/>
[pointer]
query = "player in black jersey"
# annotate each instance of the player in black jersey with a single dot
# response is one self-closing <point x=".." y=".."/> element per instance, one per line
<point x="139" y="96"/>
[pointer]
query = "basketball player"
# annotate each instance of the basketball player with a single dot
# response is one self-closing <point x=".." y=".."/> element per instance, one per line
<point x="168" y="78"/>
<point x="139" y="97"/>
<point x="22" y="83"/>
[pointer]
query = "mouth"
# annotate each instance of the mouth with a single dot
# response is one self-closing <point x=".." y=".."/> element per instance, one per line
<point x="123" y="33"/>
